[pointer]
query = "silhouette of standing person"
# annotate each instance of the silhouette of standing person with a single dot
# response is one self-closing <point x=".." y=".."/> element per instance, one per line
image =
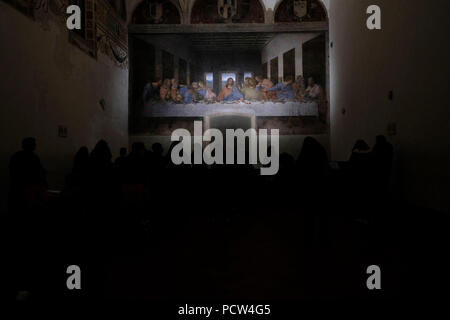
<point x="28" y="179"/>
<point x="28" y="195"/>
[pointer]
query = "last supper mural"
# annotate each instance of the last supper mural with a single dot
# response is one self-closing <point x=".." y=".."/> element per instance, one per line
<point x="227" y="60"/>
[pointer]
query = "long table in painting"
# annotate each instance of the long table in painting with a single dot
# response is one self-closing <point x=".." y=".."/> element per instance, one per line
<point x="258" y="109"/>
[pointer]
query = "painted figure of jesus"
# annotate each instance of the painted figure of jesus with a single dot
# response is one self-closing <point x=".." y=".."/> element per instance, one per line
<point x="229" y="92"/>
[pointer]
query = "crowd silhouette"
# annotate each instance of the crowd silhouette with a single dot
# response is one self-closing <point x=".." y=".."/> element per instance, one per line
<point x="145" y="185"/>
<point x="109" y="207"/>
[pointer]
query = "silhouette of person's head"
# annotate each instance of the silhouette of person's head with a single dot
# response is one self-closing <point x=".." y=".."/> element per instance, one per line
<point x="312" y="149"/>
<point x="308" y="144"/>
<point x="312" y="158"/>
<point x="360" y="146"/>
<point x="382" y="146"/>
<point x="81" y="159"/>
<point x="29" y="144"/>
<point x="102" y="152"/>
<point x="82" y="154"/>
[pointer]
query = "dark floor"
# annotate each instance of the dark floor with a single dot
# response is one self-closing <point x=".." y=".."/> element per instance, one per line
<point x="253" y="254"/>
<point x="267" y="258"/>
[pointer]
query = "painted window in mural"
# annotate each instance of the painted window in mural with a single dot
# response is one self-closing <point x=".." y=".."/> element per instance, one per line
<point x="209" y="79"/>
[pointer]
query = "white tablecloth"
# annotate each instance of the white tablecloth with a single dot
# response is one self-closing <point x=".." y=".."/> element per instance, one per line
<point x="268" y="109"/>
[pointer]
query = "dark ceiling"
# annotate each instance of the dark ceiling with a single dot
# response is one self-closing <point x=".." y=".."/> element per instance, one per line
<point x="214" y="42"/>
<point x="211" y="42"/>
